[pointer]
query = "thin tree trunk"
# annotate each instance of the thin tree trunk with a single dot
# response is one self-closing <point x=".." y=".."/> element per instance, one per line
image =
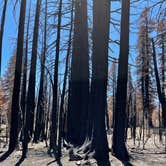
<point x="61" y="114"/>
<point x="163" y="81"/>
<point x="48" y="116"/>
<point x="29" y="121"/>
<point x="68" y="116"/>
<point x="24" y="81"/>
<point x="147" y="79"/>
<point x="114" y="95"/>
<point x="135" y="117"/>
<point x="54" y="113"/>
<point x="143" y="96"/>
<point x="40" y="104"/>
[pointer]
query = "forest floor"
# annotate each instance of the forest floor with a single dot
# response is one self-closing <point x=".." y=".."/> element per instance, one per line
<point x="152" y="155"/>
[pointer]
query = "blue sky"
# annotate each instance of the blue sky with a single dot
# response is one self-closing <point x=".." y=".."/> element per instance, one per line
<point x="10" y="33"/>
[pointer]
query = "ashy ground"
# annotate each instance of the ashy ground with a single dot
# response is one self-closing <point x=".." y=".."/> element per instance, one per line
<point x="153" y="155"/>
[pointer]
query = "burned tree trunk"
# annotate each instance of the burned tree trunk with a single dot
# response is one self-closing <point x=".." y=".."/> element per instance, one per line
<point x="17" y="82"/>
<point x="79" y="76"/>
<point x="29" y="119"/>
<point x="40" y="104"/>
<point x="118" y="147"/>
<point x="24" y="79"/>
<point x="101" y="18"/>
<point x="163" y="78"/>
<point x="61" y="114"/>
<point x="54" y="113"/>
<point x="159" y="88"/>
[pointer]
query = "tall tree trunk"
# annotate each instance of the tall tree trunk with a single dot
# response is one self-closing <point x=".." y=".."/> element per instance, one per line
<point x="48" y="115"/>
<point x="114" y="93"/>
<point x="163" y="80"/>
<point x="40" y="104"/>
<point x="159" y="88"/>
<point x="68" y="116"/>
<point x="147" y="79"/>
<point x="24" y="81"/>
<point x="2" y="30"/>
<point x="79" y="76"/>
<point x="17" y="82"/>
<point x="143" y="92"/>
<point x="134" y="119"/>
<point x="101" y="19"/>
<point x="129" y="102"/>
<point x="54" y="113"/>
<point x="118" y="147"/>
<point x="29" y="121"/>
<point x="61" y="114"/>
<point x="45" y="112"/>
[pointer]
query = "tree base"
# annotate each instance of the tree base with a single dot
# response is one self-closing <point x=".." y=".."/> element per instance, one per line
<point x="121" y="154"/>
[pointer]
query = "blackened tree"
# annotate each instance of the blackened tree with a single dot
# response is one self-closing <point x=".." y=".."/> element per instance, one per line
<point x="40" y="104"/>
<point x="29" y="118"/>
<point x="17" y="82"/>
<point x="118" y="146"/>
<point x="54" y="113"/>
<point x="101" y="18"/>
<point x="79" y="83"/>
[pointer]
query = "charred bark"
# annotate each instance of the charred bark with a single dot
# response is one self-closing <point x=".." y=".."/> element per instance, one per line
<point x="40" y="104"/>
<point x="159" y="88"/>
<point x="101" y="18"/>
<point x="79" y="76"/>
<point x="29" y="118"/>
<point x="118" y="147"/>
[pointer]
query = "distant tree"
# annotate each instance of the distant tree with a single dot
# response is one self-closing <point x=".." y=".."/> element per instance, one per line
<point x="112" y="85"/>
<point x="131" y="106"/>
<point x="3" y="102"/>
<point x="8" y="80"/>
<point x="146" y="31"/>
<point x="145" y="68"/>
